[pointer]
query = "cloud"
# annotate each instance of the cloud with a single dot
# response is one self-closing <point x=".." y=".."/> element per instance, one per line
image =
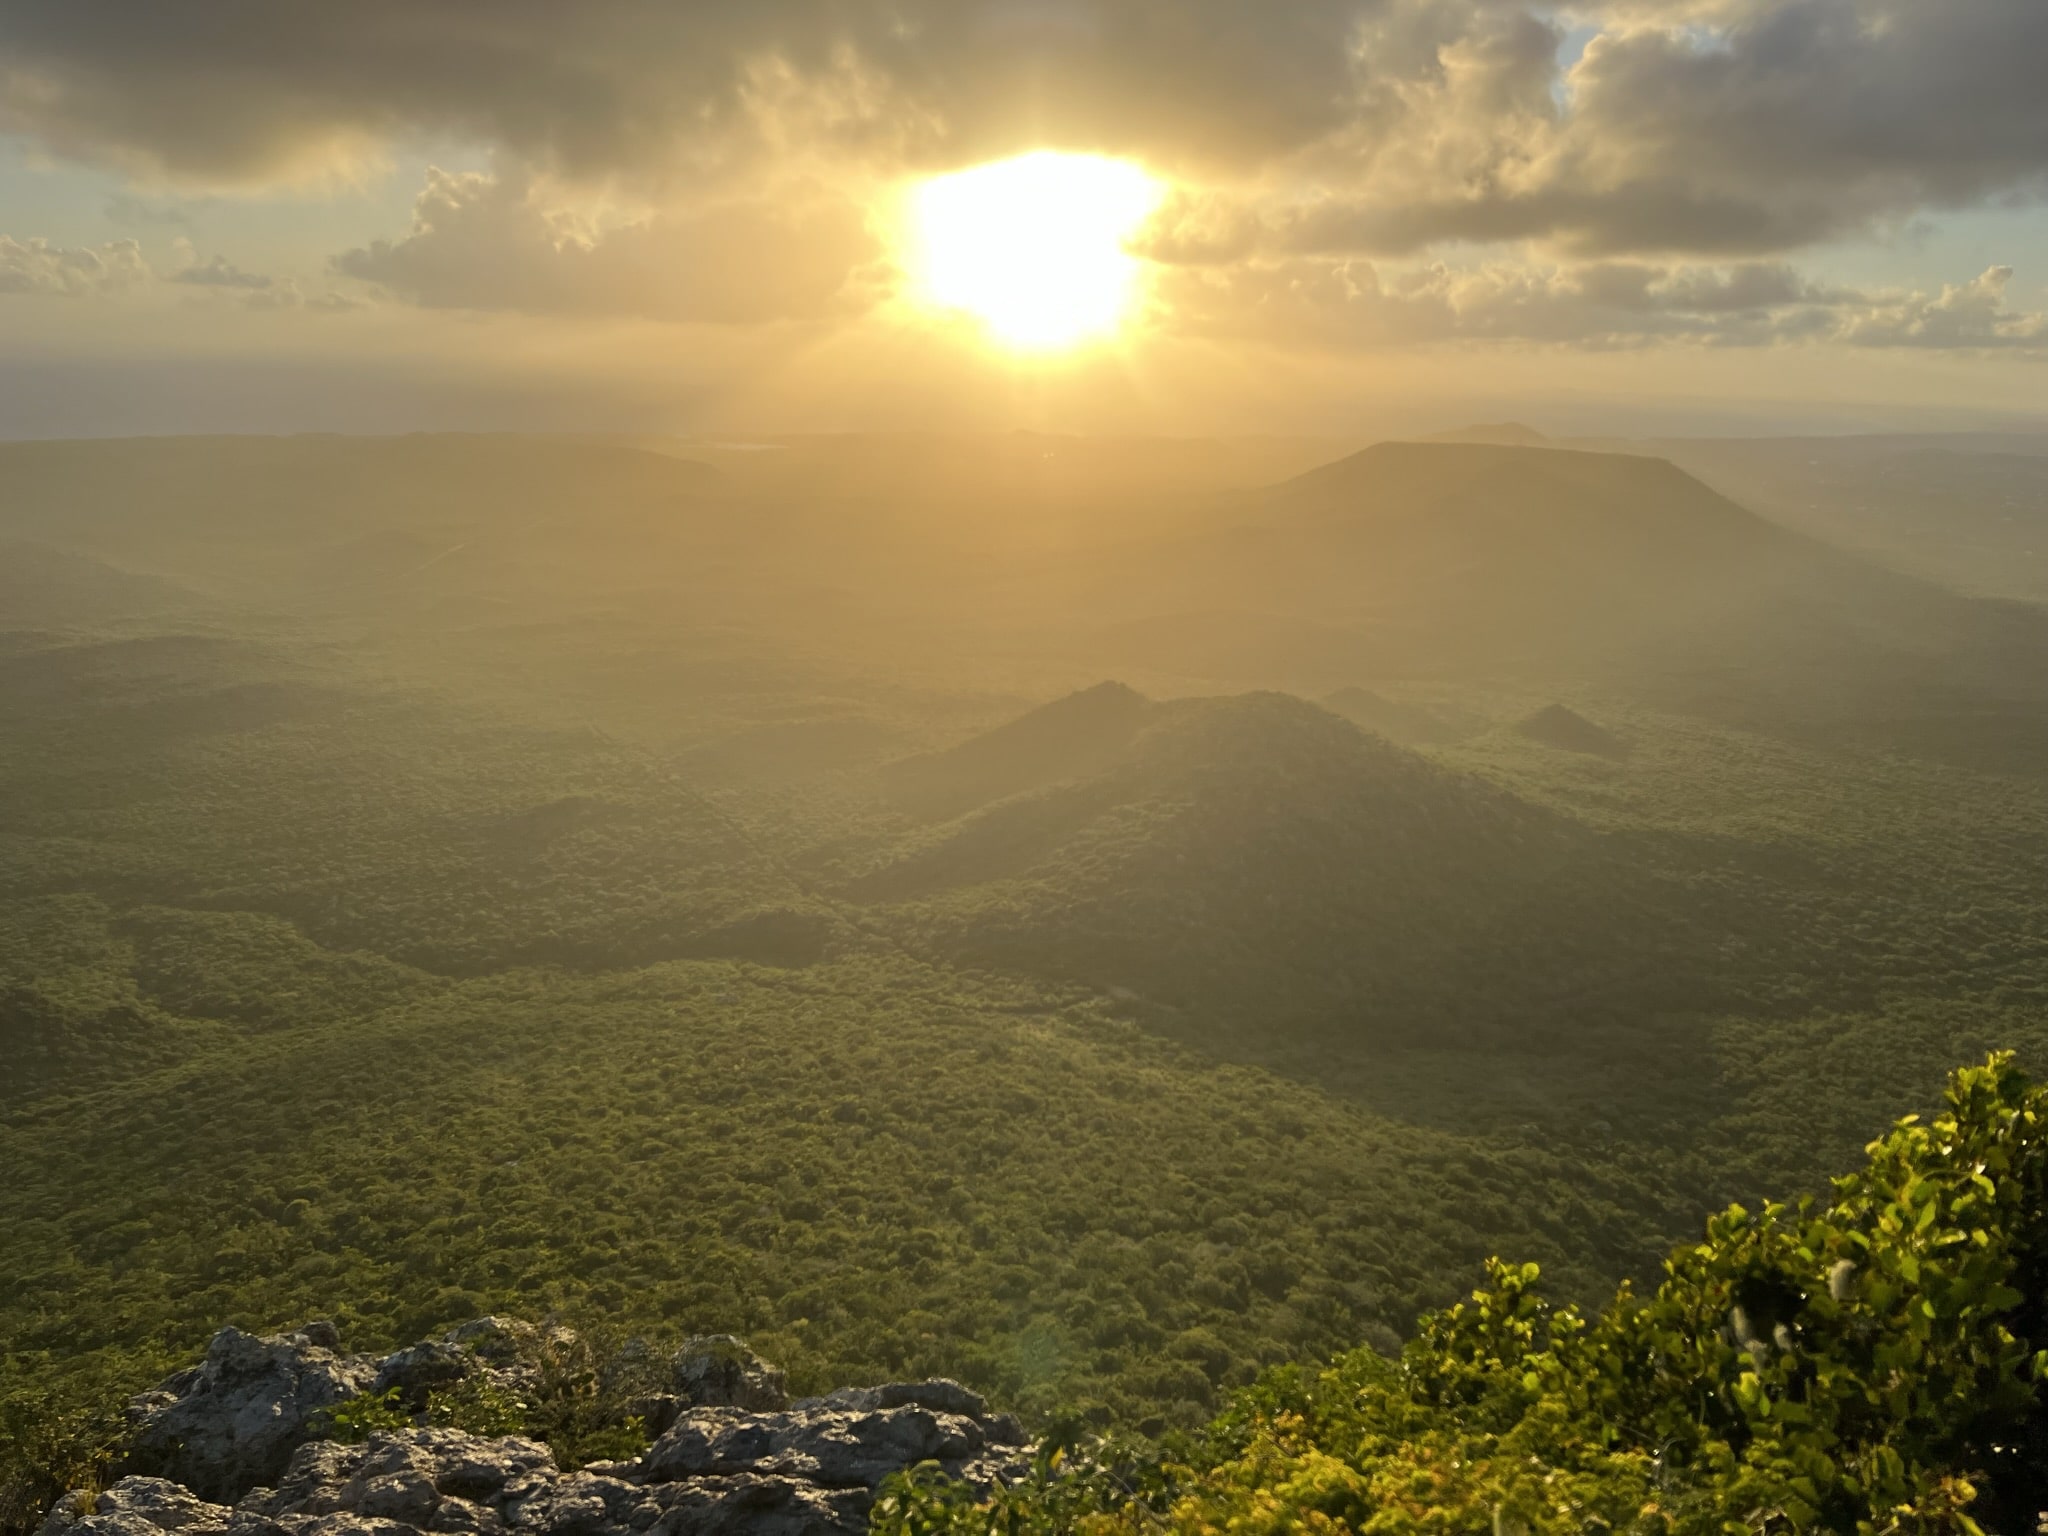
<point x="1747" y="130"/>
<point x="216" y="272"/>
<point x="491" y="242"/>
<point x="245" y="90"/>
<point x="1813" y="118"/>
<point x="36" y="266"/>
<point x="1971" y="314"/>
<point x="252" y="290"/>
<point x="1697" y="127"/>
<point x="1351" y="304"/>
<point x="1319" y="145"/>
<point x="285" y="293"/>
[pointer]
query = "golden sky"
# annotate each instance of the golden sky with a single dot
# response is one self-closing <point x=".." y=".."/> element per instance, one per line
<point x="1211" y="215"/>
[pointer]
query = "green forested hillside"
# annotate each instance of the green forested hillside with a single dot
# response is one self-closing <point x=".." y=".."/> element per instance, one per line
<point x="1865" y="1363"/>
<point x="1258" y="859"/>
<point x="606" y="912"/>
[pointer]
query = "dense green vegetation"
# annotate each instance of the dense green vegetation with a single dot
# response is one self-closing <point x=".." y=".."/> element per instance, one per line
<point x="1876" y="1361"/>
<point x="572" y="882"/>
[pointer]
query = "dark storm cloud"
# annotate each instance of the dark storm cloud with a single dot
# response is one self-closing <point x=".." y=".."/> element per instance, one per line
<point x="1717" y="128"/>
<point x="1789" y="124"/>
<point x="246" y="89"/>
<point x="1817" y="116"/>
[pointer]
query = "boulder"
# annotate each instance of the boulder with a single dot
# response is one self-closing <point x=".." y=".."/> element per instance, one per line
<point x="136" y="1506"/>
<point x="231" y="1422"/>
<point x="505" y="1341"/>
<point x="738" y="1459"/>
<point x="718" y="1371"/>
<point x="234" y="1420"/>
<point x="415" y="1371"/>
<point x="807" y="1471"/>
<point x="940" y="1395"/>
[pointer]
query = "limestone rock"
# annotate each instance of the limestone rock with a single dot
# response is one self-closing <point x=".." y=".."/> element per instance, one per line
<point x="718" y="1371"/>
<point x="234" y="1420"/>
<point x="738" y="1459"/>
<point x="136" y="1506"/>
<point x="419" y="1369"/>
<point x="940" y="1396"/>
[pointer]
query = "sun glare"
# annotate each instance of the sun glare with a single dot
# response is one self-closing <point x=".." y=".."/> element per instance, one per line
<point x="1034" y="247"/>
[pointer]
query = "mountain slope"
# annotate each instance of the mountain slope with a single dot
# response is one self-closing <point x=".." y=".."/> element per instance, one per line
<point x="1257" y="859"/>
<point x="44" y="587"/>
<point x="1067" y="738"/>
<point x="1548" y="567"/>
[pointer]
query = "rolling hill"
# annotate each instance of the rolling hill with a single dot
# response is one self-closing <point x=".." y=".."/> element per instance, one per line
<point x="1065" y="739"/>
<point x="1258" y="861"/>
<point x="42" y="587"/>
<point x="547" y="878"/>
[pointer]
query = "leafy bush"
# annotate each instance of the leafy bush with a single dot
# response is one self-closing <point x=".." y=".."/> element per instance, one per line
<point x="1872" y="1364"/>
<point x="51" y="1442"/>
<point x="581" y="1396"/>
<point x="480" y="1406"/>
<point x="355" y="1419"/>
<point x="587" y="1389"/>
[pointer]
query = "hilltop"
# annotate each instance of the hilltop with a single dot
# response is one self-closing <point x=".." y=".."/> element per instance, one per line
<point x="1068" y="738"/>
<point x="1258" y="859"/>
<point x="1505" y="434"/>
<point x="1546" y="568"/>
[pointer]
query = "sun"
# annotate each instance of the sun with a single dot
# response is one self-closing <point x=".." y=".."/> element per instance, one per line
<point x="1033" y="247"/>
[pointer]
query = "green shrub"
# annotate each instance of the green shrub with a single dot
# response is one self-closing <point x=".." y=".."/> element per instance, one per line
<point x="582" y="1400"/>
<point x="586" y="1394"/>
<point x="1873" y="1364"/>
<point x="480" y="1406"/>
<point x="51" y="1442"/>
<point x="353" y="1420"/>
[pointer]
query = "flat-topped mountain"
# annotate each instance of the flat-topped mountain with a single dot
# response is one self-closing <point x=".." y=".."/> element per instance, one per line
<point x="1469" y="562"/>
<point x="1507" y="434"/>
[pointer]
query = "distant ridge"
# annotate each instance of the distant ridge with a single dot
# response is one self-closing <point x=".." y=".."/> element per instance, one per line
<point x="42" y="587"/>
<point x="1566" y="729"/>
<point x="1068" y="738"/>
<point x="1504" y="434"/>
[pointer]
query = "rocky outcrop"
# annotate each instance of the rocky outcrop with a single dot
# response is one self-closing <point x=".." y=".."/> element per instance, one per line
<point x="718" y="1371"/>
<point x="713" y="1371"/>
<point x="239" y="1436"/>
<point x="234" y="1419"/>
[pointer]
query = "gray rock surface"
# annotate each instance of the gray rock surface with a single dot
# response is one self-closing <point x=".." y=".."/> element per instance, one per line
<point x="138" y="1506"/>
<point x="737" y="1458"/>
<point x="718" y="1371"/>
<point x="234" y="1419"/>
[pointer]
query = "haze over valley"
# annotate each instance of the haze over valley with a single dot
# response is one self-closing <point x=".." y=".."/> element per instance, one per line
<point x="799" y="770"/>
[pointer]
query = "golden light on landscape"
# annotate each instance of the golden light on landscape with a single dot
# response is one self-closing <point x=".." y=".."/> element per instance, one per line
<point x="1034" y="247"/>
